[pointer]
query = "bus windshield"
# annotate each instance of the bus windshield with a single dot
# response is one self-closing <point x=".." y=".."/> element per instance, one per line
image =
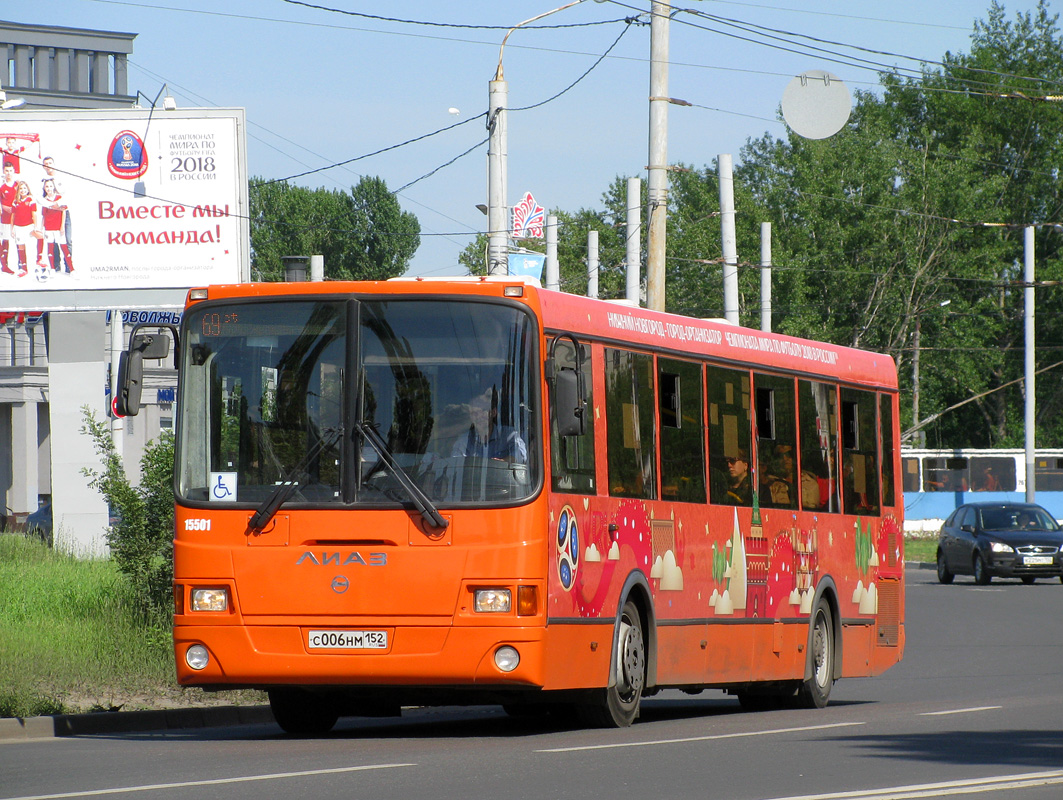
<point x="352" y="400"/>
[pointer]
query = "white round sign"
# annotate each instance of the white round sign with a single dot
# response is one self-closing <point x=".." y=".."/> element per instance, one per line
<point x="816" y="104"/>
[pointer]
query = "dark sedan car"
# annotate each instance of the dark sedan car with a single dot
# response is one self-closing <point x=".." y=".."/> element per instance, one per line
<point x="1011" y="540"/>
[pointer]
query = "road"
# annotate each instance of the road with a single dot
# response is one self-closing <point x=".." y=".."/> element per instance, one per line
<point x="974" y="710"/>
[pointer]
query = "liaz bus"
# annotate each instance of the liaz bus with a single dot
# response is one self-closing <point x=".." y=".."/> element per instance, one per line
<point x="470" y="491"/>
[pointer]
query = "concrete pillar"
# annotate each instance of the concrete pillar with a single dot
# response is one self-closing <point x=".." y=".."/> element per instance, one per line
<point x="24" y="463"/>
<point x="76" y="370"/>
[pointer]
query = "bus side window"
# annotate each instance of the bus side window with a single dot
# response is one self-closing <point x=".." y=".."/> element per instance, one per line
<point x="889" y="483"/>
<point x="776" y="442"/>
<point x="817" y="403"/>
<point x="728" y="404"/>
<point x="630" y="424"/>
<point x="572" y="457"/>
<point x="860" y="490"/>
<point x="682" y="431"/>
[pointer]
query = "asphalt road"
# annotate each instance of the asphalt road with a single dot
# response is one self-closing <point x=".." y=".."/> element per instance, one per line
<point x="974" y="710"/>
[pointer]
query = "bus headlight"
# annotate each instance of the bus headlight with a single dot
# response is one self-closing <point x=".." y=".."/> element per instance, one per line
<point x="507" y="658"/>
<point x="492" y="601"/>
<point x="210" y="599"/>
<point x="197" y="657"/>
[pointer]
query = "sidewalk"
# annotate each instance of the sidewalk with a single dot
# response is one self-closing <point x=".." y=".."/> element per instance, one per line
<point x="13" y="729"/>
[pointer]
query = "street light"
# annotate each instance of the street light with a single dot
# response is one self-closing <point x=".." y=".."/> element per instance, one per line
<point x="497" y="166"/>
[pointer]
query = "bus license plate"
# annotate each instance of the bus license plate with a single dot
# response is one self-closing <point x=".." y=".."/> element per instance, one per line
<point x="348" y="640"/>
<point x="1032" y="561"/>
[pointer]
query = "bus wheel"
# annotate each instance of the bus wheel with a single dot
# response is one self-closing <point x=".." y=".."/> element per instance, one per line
<point x="618" y="705"/>
<point x="302" y="713"/>
<point x="815" y="692"/>
<point x="944" y="575"/>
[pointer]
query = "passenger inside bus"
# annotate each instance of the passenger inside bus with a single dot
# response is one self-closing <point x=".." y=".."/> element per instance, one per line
<point x="739" y="490"/>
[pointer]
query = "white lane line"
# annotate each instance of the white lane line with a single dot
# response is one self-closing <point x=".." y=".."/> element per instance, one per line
<point x="960" y="711"/>
<point x="1030" y="780"/>
<point x="699" y="738"/>
<point x="215" y="782"/>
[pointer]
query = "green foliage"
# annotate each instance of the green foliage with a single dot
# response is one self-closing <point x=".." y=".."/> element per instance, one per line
<point x="72" y="633"/>
<point x="363" y="235"/>
<point x="901" y="232"/>
<point x="141" y="540"/>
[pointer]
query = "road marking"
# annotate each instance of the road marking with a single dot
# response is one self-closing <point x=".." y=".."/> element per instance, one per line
<point x="700" y="738"/>
<point x="215" y="782"/>
<point x="960" y="711"/>
<point x="1030" y="780"/>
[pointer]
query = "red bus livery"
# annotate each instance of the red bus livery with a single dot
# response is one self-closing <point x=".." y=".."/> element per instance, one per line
<point x="477" y="491"/>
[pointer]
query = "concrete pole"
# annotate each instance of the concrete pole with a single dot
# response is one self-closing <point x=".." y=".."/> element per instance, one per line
<point x="1028" y="320"/>
<point x="917" y="343"/>
<point x="592" y="264"/>
<point x="765" y="277"/>
<point x="117" y="346"/>
<point x="553" y="269"/>
<point x="730" y="249"/>
<point x="634" y="239"/>
<point x="658" y="163"/>
<point x="497" y="224"/>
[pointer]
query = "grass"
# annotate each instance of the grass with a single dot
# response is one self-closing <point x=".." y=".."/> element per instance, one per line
<point x="72" y="640"/>
<point x="920" y="548"/>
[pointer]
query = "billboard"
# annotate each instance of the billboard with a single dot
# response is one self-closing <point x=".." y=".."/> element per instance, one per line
<point x="120" y="207"/>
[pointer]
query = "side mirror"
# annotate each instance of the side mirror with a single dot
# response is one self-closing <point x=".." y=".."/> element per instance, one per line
<point x="569" y="400"/>
<point x="131" y="368"/>
<point x="568" y="403"/>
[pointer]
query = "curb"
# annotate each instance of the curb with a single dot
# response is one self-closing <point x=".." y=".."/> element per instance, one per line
<point x="19" y="729"/>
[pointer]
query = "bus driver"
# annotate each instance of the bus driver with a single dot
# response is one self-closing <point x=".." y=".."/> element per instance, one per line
<point x="485" y="437"/>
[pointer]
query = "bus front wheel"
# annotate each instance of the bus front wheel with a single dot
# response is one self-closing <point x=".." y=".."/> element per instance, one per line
<point x="815" y="692"/>
<point x="618" y="705"/>
<point x="302" y="713"/>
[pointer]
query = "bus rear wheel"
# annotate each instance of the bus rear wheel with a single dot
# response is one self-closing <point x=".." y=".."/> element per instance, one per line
<point x="815" y="692"/>
<point x="618" y="705"/>
<point x="302" y="713"/>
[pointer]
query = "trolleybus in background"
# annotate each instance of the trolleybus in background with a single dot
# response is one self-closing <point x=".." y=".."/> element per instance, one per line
<point x="477" y="491"/>
<point x="937" y="482"/>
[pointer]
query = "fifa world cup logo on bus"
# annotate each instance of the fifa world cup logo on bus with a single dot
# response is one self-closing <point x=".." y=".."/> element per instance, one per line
<point x="127" y="148"/>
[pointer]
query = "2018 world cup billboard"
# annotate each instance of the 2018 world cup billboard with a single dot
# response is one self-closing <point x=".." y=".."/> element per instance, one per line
<point x="113" y="206"/>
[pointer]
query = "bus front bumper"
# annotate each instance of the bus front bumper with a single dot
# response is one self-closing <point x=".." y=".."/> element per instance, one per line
<point x="277" y="655"/>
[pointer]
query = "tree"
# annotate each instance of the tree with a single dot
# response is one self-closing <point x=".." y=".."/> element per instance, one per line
<point x="141" y="539"/>
<point x="363" y="235"/>
<point x="883" y="224"/>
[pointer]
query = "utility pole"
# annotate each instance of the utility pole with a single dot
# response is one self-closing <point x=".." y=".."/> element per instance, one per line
<point x="765" y="277"/>
<point x="729" y="239"/>
<point x="497" y="168"/>
<point x="632" y="278"/>
<point x="1029" y="367"/>
<point x="658" y="164"/>
<point x="497" y="159"/>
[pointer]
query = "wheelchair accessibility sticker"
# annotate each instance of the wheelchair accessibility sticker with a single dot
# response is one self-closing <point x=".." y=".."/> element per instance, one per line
<point x="222" y="487"/>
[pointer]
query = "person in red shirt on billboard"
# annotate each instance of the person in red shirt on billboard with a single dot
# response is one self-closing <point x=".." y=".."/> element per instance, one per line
<point x="7" y="200"/>
<point x="53" y="213"/>
<point x="26" y="226"/>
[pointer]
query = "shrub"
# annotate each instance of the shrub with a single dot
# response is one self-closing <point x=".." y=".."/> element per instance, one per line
<point x="141" y="538"/>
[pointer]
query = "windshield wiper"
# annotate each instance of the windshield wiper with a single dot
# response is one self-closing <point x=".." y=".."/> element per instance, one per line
<point x="283" y="490"/>
<point x="428" y="511"/>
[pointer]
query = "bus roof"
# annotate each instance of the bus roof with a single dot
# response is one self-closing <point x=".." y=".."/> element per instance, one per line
<point x="622" y="323"/>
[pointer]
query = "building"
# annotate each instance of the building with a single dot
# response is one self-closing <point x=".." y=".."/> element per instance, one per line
<point x="54" y="68"/>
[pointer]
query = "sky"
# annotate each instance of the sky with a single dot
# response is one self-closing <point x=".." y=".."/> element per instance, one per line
<point x="321" y="87"/>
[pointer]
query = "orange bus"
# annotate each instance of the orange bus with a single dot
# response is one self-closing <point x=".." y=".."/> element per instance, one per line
<point x="477" y="491"/>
